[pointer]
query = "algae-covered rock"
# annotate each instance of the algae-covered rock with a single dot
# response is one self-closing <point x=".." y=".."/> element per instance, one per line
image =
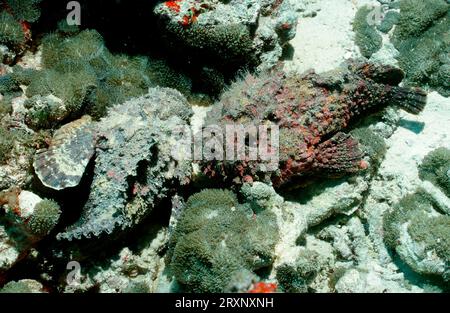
<point x="389" y="21"/>
<point x="435" y="168"/>
<point x="217" y="238"/>
<point x="23" y="286"/>
<point x="236" y="33"/>
<point x="296" y="277"/>
<point x="419" y="235"/>
<point x="423" y="39"/>
<point x="366" y="35"/>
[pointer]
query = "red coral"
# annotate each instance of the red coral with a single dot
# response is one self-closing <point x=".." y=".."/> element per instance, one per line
<point x="173" y="5"/>
<point x="262" y="287"/>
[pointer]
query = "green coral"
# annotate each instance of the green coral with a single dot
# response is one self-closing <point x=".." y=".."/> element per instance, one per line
<point x="25" y="10"/>
<point x="404" y="211"/>
<point x="8" y="84"/>
<point x="11" y="33"/>
<point x="433" y="232"/>
<point x="163" y="75"/>
<point x="388" y="22"/>
<point x="424" y="43"/>
<point x="16" y="287"/>
<point x="5" y="106"/>
<point x="79" y="70"/>
<point x="418" y="15"/>
<point x="232" y="43"/>
<point x="366" y="36"/>
<point x="6" y="144"/>
<point x="216" y="238"/>
<point x="435" y="168"/>
<point x="45" y="217"/>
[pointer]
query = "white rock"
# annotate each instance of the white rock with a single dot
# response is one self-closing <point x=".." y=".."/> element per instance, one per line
<point x="27" y="203"/>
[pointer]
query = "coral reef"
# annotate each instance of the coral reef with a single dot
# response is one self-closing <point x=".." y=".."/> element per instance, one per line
<point x="129" y="270"/>
<point x="89" y="174"/>
<point x="30" y="217"/>
<point x="366" y="36"/>
<point x="417" y="16"/>
<point x="25" y="10"/>
<point x="422" y="38"/>
<point x="217" y="239"/>
<point x="26" y="220"/>
<point x="80" y="76"/>
<point x="308" y="109"/>
<point x="235" y="32"/>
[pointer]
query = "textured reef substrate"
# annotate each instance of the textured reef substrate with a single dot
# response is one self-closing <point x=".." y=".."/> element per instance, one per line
<point x="93" y="199"/>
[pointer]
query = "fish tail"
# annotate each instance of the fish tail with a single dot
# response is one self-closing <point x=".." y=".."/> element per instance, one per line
<point x="412" y="100"/>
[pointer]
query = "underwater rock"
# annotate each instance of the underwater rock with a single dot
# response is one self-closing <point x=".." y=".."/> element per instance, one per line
<point x="311" y="111"/>
<point x="435" y="168"/>
<point x="356" y="280"/>
<point x="217" y="239"/>
<point x="31" y="216"/>
<point x="45" y="112"/>
<point x="366" y="35"/>
<point x="419" y="234"/>
<point x="28" y="218"/>
<point x="129" y="271"/>
<point x="133" y="163"/>
<point x="295" y="278"/>
<point x="23" y="286"/>
<point x="234" y="32"/>
<point x="63" y="163"/>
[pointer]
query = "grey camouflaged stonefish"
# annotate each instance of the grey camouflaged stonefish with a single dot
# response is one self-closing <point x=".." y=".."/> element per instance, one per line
<point x="133" y="161"/>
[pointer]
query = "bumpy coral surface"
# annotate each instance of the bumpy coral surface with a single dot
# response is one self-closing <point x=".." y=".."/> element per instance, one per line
<point x="217" y="240"/>
<point x="423" y="40"/>
<point x="311" y="112"/>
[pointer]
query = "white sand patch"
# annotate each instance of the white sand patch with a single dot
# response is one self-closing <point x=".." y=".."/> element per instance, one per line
<point x="409" y="147"/>
<point x="326" y="40"/>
